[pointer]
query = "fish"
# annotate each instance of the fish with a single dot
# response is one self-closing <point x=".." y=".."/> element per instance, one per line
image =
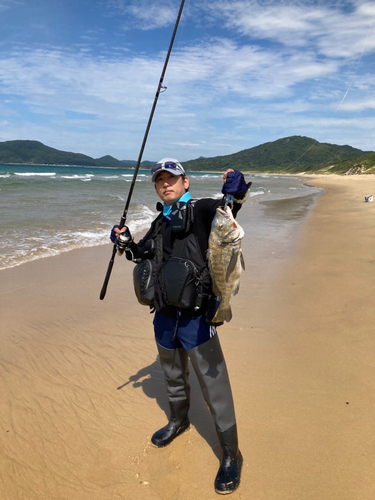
<point x="225" y="260"/>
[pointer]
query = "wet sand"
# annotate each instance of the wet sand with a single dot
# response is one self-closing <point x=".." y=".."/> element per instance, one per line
<point x="82" y="390"/>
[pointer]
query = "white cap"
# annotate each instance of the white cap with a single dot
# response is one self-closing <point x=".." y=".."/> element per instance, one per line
<point x="169" y="165"/>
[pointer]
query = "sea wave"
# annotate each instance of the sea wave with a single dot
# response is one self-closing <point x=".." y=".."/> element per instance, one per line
<point x="48" y="244"/>
<point x="204" y="176"/>
<point x="35" y="174"/>
<point x="132" y="175"/>
<point x="60" y="242"/>
<point x="77" y="176"/>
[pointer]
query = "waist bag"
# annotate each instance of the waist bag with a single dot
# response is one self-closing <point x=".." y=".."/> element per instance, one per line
<point x="144" y="275"/>
<point x="181" y="282"/>
<point x="144" y="282"/>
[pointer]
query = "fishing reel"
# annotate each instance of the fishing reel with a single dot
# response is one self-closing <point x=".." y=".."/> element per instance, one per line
<point x="123" y="241"/>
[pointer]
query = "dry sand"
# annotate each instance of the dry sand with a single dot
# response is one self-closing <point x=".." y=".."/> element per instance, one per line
<point x="82" y="391"/>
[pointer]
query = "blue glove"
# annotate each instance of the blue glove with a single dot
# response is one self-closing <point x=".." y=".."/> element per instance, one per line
<point x="235" y="184"/>
<point x="113" y="236"/>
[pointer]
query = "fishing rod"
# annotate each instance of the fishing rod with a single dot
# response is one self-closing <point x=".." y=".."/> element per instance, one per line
<point x="160" y="89"/>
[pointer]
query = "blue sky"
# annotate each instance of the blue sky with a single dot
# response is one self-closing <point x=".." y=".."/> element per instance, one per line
<point x="81" y="75"/>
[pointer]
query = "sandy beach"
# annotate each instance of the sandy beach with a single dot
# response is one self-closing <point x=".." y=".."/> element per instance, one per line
<point x="82" y="390"/>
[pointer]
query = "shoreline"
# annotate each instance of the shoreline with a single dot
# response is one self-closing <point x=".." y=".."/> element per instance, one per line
<point x="82" y="390"/>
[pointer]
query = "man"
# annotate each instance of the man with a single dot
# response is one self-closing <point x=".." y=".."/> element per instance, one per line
<point x="184" y="332"/>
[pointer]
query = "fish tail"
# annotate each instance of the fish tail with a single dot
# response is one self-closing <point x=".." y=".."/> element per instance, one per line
<point x="222" y="315"/>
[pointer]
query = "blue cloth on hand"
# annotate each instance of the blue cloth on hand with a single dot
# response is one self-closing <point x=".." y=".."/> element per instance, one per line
<point x="113" y="236"/>
<point x="235" y="184"/>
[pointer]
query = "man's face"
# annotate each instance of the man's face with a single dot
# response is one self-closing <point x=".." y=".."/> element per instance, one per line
<point x="170" y="187"/>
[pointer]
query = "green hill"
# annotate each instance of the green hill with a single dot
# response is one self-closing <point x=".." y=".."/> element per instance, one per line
<point x="109" y="161"/>
<point x="289" y="155"/>
<point x="35" y="152"/>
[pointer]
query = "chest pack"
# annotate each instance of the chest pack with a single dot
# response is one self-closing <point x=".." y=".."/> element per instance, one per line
<point x="183" y="280"/>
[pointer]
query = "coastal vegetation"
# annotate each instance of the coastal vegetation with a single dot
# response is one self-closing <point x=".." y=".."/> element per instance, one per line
<point x="293" y="155"/>
<point x="36" y="153"/>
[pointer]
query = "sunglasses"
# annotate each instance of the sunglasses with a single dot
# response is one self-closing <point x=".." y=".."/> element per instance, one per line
<point x="160" y="166"/>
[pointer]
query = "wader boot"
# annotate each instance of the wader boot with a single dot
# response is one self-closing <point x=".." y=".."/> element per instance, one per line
<point x="174" y="363"/>
<point x="209" y="365"/>
<point x="229" y="474"/>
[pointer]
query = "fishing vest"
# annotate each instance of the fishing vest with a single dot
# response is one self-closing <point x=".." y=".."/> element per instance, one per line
<point x="183" y="280"/>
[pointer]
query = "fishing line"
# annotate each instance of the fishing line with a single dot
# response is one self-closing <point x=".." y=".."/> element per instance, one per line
<point x="182" y="26"/>
<point x="347" y="90"/>
<point x="358" y="62"/>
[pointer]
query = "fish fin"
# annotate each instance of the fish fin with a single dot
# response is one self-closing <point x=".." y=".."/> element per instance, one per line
<point x="222" y="315"/>
<point x="231" y="265"/>
<point x="242" y="261"/>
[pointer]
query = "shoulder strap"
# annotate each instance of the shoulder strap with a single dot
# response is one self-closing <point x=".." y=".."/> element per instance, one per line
<point x="157" y="226"/>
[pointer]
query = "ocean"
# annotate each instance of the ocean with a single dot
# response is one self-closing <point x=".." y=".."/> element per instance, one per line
<point x="47" y="210"/>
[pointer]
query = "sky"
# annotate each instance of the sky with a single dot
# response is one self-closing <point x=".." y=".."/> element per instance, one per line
<point x="81" y="75"/>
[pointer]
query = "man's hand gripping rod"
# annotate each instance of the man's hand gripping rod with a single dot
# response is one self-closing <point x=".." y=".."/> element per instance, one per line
<point x="124" y="215"/>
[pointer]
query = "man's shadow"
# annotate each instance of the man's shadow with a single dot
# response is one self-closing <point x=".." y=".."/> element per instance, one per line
<point x="151" y="380"/>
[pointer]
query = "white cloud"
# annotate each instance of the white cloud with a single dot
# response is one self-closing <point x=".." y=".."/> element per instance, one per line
<point x="143" y="14"/>
<point x="275" y="70"/>
<point x="358" y="105"/>
<point x="334" y="29"/>
<point x="9" y="4"/>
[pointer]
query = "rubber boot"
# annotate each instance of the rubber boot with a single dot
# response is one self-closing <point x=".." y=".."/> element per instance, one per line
<point x="229" y="474"/>
<point x="174" y="363"/>
<point x="209" y="365"/>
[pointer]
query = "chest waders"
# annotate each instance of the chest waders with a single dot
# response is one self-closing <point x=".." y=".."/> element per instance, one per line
<point x="209" y="365"/>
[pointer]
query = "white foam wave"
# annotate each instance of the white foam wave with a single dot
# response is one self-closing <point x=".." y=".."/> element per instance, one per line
<point x="49" y="244"/>
<point x="130" y="176"/>
<point x="138" y="225"/>
<point x="5" y="176"/>
<point x="77" y="176"/>
<point x="205" y="176"/>
<point x="36" y="174"/>
<point x="256" y="193"/>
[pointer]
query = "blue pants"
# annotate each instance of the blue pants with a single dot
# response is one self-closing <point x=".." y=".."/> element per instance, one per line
<point x="189" y="332"/>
